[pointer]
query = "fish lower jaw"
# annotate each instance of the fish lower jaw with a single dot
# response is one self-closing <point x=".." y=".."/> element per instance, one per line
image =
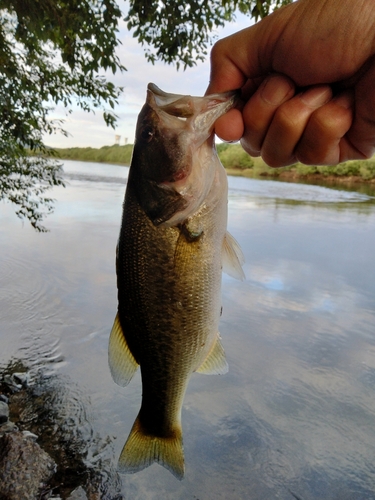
<point x="178" y="182"/>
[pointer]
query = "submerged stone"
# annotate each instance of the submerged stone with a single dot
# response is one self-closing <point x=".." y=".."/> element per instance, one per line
<point x="78" y="494"/>
<point x="4" y="412"/>
<point x="4" y="398"/>
<point x="24" y="467"/>
<point x="7" y="427"/>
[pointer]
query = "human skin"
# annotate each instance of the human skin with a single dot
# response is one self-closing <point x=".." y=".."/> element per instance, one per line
<point x="307" y="80"/>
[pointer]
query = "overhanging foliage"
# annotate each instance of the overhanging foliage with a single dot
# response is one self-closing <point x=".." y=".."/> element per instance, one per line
<point x="53" y="52"/>
<point x="181" y="31"/>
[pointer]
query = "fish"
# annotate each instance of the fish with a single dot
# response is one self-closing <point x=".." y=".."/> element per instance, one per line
<point x="172" y="249"/>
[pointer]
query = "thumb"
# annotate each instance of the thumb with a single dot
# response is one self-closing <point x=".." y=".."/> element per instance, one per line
<point x="236" y="59"/>
<point x="247" y="56"/>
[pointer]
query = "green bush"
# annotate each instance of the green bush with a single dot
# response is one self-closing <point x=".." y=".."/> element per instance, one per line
<point x="305" y="169"/>
<point x="106" y="154"/>
<point x="233" y="156"/>
<point x="347" y="168"/>
<point x="222" y="146"/>
<point x="324" y="170"/>
<point x="367" y="170"/>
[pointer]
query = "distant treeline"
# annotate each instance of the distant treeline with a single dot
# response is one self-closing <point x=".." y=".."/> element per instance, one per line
<point x="120" y="155"/>
<point x="234" y="159"/>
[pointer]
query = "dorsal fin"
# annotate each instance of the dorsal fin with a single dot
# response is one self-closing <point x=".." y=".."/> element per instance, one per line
<point x="232" y="257"/>
<point x="121" y="361"/>
<point x="215" y="363"/>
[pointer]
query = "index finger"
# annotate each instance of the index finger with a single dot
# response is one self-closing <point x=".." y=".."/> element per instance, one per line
<point x="225" y="74"/>
<point x="243" y="56"/>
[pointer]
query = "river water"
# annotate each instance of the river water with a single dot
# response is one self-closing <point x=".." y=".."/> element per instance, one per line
<point x="295" y="416"/>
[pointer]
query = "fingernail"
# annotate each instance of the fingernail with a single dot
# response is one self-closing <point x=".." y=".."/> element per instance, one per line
<point x="276" y="89"/>
<point x="316" y="96"/>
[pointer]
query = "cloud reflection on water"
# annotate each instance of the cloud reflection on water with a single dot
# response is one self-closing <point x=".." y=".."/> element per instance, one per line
<point x="295" y="412"/>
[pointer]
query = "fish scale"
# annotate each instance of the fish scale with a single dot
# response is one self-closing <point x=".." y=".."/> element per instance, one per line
<point x="169" y="264"/>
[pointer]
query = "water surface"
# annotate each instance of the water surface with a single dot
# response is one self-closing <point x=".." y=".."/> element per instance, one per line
<point x="293" y="418"/>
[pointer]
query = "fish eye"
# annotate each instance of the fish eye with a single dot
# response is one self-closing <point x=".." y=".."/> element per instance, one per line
<point x="147" y="133"/>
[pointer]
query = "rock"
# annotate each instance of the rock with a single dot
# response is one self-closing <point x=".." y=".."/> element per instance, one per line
<point x="4" y="398"/>
<point x="21" y="378"/>
<point x="11" y="384"/>
<point x="24" y="467"/>
<point x="78" y="494"/>
<point x="30" y="435"/>
<point x="4" y="412"/>
<point x="7" y="427"/>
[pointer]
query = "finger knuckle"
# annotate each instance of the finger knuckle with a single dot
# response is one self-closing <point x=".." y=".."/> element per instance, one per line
<point x="316" y="156"/>
<point x="286" y="118"/>
<point x="275" y="160"/>
<point x="332" y="123"/>
<point x="217" y="50"/>
<point x="309" y="157"/>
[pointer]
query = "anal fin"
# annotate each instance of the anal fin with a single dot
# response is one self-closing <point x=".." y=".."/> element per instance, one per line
<point x="121" y="361"/>
<point x="215" y="363"/>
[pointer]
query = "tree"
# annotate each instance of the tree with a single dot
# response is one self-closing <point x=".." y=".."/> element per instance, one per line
<point x="52" y="51"/>
<point x="180" y="31"/>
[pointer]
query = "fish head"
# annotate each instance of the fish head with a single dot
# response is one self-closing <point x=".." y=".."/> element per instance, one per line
<point x="174" y="157"/>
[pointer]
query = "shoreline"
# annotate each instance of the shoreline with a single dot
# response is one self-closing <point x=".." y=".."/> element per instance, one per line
<point x="283" y="175"/>
<point x="293" y="176"/>
<point x="345" y="182"/>
<point x="351" y="175"/>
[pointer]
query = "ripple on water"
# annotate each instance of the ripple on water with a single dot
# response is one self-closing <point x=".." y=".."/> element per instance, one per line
<point x="30" y="314"/>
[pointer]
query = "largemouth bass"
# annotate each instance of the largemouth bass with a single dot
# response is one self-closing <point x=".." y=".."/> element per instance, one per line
<point x="172" y="247"/>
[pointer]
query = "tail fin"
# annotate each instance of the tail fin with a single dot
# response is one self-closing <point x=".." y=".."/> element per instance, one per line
<point x="141" y="450"/>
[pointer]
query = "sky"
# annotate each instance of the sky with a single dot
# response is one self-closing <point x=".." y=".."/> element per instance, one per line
<point x="89" y="130"/>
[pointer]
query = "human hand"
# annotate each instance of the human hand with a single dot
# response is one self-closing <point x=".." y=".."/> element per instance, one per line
<point x="307" y="79"/>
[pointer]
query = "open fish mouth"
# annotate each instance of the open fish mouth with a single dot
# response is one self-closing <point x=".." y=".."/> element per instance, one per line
<point x="185" y="106"/>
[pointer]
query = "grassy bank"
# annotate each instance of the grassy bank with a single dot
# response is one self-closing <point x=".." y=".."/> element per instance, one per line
<point x="120" y="155"/>
<point x="237" y="162"/>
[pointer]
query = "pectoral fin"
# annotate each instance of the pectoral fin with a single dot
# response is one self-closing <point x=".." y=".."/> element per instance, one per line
<point x="232" y="258"/>
<point x="121" y="361"/>
<point x="215" y="363"/>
